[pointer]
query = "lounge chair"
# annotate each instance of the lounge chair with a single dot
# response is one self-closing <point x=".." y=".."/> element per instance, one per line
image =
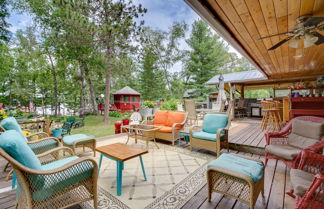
<point x="61" y="182"/>
<point x="213" y="135"/>
<point x="301" y="133"/>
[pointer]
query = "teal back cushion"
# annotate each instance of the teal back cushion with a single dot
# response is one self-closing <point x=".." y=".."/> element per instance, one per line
<point x="11" y="123"/>
<point x="213" y="122"/>
<point x="15" y="145"/>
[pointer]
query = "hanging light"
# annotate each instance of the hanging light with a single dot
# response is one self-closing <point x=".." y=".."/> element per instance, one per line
<point x="294" y="43"/>
<point x="309" y="40"/>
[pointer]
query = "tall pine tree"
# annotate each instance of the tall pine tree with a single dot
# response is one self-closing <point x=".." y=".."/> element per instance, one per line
<point x="207" y="55"/>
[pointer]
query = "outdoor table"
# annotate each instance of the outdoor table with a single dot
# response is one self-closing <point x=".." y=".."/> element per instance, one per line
<point x="143" y="132"/>
<point x="120" y="153"/>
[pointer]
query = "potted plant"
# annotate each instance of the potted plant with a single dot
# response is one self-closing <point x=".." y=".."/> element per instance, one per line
<point x="125" y="120"/>
<point x="3" y="115"/>
<point x="117" y="124"/>
<point x="147" y="108"/>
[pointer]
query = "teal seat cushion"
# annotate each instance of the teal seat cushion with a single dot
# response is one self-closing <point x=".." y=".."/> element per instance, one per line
<point x="55" y="183"/>
<point x="43" y="146"/>
<point x="15" y="145"/>
<point x="69" y="140"/>
<point x="204" y="135"/>
<point x="11" y="123"/>
<point x="213" y="122"/>
<point x="237" y="164"/>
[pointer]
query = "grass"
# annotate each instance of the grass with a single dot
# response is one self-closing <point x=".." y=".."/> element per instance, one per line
<point x="95" y="127"/>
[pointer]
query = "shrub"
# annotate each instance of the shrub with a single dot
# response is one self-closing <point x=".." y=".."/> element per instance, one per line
<point x="115" y="114"/>
<point x="170" y="104"/>
<point x="149" y="104"/>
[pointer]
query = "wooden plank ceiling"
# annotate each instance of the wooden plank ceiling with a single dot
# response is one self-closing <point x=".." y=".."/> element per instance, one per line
<point x="247" y="20"/>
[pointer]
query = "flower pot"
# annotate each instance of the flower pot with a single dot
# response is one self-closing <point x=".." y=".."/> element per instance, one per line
<point x="117" y="127"/>
<point x="57" y="132"/>
<point x="146" y="112"/>
<point x="125" y="122"/>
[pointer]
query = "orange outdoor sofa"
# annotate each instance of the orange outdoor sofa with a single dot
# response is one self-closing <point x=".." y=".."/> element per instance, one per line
<point x="171" y="122"/>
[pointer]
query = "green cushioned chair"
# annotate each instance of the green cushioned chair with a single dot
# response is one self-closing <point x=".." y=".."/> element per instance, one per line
<point x="213" y="135"/>
<point x="64" y="181"/>
<point x="39" y="142"/>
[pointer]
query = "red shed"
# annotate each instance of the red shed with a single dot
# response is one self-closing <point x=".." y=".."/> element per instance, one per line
<point x="125" y="98"/>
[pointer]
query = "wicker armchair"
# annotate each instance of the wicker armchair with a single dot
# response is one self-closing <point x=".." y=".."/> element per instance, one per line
<point x="284" y="141"/>
<point x="212" y="140"/>
<point x="308" y="181"/>
<point x="62" y="186"/>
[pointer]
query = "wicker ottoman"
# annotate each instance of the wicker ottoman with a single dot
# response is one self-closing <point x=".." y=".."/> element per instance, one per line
<point x="80" y="141"/>
<point x="239" y="177"/>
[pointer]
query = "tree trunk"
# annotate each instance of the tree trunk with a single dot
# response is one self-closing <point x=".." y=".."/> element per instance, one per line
<point x="53" y="70"/>
<point x="92" y="96"/>
<point x="107" y="94"/>
<point x="82" y="92"/>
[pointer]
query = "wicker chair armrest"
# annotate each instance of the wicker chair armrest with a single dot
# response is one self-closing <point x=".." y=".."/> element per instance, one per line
<point x="231" y="173"/>
<point x="38" y="135"/>
<point x="175" y="125"/>
<point x="311" y="161"/>
<point x="219" y="132"/>
<point x="276" y="135"/>
<point x="43" y="139"/>
<point x="193" y="129"/>
<point x="316" y="147"/>
<point x="63" y="168"/>
<point x="55" y="154"/>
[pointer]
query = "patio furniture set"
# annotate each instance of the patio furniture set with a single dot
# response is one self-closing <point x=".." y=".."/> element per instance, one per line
<point x="51" y="177"/>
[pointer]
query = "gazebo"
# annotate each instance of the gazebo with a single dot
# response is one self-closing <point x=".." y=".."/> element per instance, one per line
<point x="126" y="98"/>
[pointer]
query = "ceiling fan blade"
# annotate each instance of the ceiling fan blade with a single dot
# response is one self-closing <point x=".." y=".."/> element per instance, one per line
<point x="280" y="43"/>
<point x="320" y="38"/>
<point x="278" y="34"/>
<point x="313" y="21"/>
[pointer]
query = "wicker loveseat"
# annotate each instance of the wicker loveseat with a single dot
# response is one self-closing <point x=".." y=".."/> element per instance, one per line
<point x="62" y="181"/>
<point x="171" y="122"/>
<point x="301" y="133"/>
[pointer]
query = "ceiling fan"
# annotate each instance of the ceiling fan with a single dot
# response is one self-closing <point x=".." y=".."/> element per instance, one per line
<point x="306" y="27"/>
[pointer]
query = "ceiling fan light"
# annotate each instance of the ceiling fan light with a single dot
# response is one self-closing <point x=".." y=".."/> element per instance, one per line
<point x="309" y="40"/>
<point x="294" y="43"/>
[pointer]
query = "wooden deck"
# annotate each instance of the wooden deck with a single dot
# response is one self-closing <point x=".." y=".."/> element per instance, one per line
<point x="242" y="133"/>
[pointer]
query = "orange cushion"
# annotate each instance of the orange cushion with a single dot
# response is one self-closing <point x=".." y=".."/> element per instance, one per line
<point x="160" y="117"/>
<point x="175" y="117"/>
<point x="165" y="129"/>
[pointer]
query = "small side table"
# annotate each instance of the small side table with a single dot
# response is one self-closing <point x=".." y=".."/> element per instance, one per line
<point x="184" y="132"/>
<point x="120" y="153"/>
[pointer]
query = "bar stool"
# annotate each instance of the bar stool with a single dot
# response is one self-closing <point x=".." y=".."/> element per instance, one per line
<point x="271" y="115"/>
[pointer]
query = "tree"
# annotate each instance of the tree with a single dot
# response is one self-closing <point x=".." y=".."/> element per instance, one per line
<point x="4" y="25"/>
<point x="152" y="84"/>
<point x="205" y="59"/>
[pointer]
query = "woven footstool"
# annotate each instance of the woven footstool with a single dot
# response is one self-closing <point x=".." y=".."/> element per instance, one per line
<point x="80" y="140"/>
<point x="239" y="177"/>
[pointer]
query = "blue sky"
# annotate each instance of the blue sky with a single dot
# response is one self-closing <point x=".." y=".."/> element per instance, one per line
<point x="161" y="14"/>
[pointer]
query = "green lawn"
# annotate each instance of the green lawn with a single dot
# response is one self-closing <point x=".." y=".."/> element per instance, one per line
<point x="95" y="127"/>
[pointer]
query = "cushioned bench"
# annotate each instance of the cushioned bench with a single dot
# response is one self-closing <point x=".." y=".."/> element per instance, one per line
<point x="80" y="140"/>
<point x="237" y="176"/>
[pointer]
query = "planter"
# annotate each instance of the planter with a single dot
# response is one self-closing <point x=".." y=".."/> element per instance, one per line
<point x="146" y="112"/>
<point x="57" y="132"/>
<point x="125" y="122"/>
<point x="117" y="127"/>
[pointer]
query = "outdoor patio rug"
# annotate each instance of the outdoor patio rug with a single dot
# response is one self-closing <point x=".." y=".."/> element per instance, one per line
<point x="174" y="175"/>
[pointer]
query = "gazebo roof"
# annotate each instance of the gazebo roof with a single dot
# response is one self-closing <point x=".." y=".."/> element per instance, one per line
<point x="126" y="91"/>
<point x="238" y="77"/>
